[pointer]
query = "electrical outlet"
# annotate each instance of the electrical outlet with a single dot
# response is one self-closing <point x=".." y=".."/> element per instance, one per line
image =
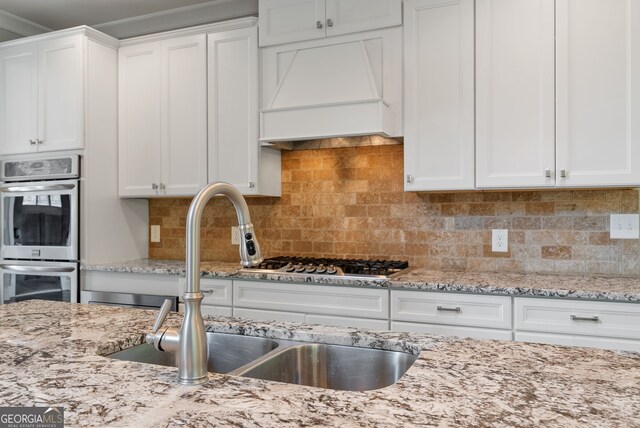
<point x="499" y="240"/>
<point x="155" y="233"/>
<point x="624" y="226"/>
<point x="235" y="235"/>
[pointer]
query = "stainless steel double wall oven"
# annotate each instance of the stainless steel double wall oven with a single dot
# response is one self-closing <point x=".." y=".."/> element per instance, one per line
<point x="40" y="227"/>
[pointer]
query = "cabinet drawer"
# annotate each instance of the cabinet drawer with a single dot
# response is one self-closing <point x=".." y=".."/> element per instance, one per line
<point x="317" y="299"/>
<point x="348" y="322"/>
<point x="578" y="317"/>
<point x="450" y="330"/>
<point x="217" y="292"/>
<point x="573" y="340"/>
<point x="450" y="308"/>
<point x="225" y="311"/>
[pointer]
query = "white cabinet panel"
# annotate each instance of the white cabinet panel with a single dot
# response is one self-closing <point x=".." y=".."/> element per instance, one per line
<point x="139" y="119"/>
<point x="163" y="127"/>
<point x="450" y="308"/>
<point x="450" y="330"/>
<point x="135" y="283"/>
<point x="573" y="340"/>
<point x="439" y="95"/>
<point x="347" y="322"/>
<point x="224" y="311"/>
<point x="262" y="315"/>
<point x="350" y="16"/>
<point x="515" y="106"/>
<point x="18" y="99"/>
<point x="60" y="121"/>
<point x="598" y="92"/>
<point x="283" y="21"/>
<point x="42" y="94"/>
<point x="183" y="70"/>
<point x="578" y="317"/>
<point x="286" y="21"/>
<point x="316" y="299"/>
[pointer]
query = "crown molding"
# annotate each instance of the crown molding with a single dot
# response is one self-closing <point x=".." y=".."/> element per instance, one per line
<point x="20" y="26"/>
<point x="189" y="16"/>
<point x="83" y="29"/>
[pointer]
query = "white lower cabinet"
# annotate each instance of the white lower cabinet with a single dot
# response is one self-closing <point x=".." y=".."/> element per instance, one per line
<point x="217" y="296"/>
<point x="451" y="309"/>
<point x="608" y="325"/>
<point x="315" y="304"/>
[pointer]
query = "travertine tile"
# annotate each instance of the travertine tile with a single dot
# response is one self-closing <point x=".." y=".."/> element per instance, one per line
<point x="350" y="202"/>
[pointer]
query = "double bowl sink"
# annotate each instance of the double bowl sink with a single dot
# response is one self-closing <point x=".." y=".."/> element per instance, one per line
<point x="337" y="367"/>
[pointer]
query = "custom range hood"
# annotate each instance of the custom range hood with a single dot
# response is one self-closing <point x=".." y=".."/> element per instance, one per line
<point x="335" y="87"/>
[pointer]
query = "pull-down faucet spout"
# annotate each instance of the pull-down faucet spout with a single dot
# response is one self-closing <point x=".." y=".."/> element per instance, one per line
<point x="191" y="341"/>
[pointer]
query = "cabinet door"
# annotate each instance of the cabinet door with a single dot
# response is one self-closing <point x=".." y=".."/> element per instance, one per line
<point x="351" y="16"/>
<point x="183" y="70"/>
<point x="598" y="92"/>
<point x="139" y="119"/>
<point x="284" y="21"/>
<point x="18" y="99"/>
<point x="233" y="108"/>
<point x="439" y="92"/>
<point x="61" y="94"/>
<point x="515" y="108"/>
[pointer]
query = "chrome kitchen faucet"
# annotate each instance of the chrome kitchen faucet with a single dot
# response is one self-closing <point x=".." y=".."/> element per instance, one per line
<point x="191" y="341"/>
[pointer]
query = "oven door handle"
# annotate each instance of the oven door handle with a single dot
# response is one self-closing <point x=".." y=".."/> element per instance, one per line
<point x="37" y="188"/>
<point x="36" y="269"/>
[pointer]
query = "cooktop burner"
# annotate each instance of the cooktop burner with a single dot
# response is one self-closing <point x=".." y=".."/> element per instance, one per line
<point x="329" y="266"/>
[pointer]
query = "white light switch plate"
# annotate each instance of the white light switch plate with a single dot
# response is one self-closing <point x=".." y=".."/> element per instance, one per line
<point x="235" y="235"/>
<point x="625" y="226"/>
<point x="155" y="233"/>
<point x="500" y="240"/>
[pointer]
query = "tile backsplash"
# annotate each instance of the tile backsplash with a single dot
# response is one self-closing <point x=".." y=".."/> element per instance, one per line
<point x="349" y="202"/>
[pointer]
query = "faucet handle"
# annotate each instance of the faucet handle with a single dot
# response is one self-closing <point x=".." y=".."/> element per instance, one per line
<point x="162" y="315"/>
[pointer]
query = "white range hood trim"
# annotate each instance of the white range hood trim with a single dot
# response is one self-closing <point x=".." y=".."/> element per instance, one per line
<point x="345" y="119"/>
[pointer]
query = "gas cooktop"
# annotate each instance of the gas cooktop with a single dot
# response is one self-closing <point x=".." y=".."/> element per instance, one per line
<point x="348" y="268"/>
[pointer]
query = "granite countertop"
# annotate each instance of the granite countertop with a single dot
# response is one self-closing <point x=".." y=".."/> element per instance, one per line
<point x="613" y="288"/>
<point x="50" y="354"/>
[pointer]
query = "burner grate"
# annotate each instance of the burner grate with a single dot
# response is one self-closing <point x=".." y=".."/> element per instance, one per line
<point x="348" y="266"/>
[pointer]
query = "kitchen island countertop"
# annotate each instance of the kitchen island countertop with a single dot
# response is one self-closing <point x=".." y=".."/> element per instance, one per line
<point x="50" y="354"/>
<point x="608" y="288"/>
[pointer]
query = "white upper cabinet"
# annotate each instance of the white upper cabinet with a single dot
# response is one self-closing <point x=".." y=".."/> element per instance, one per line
<point x="285" y="21"/>
<point x="234" y="152"/>
<point x="162" y="109"/>
<point x="598" y="92"/>
<point x="41" y="96"/>
<point x="515" y="107"/>
<point x="439" y="94"/>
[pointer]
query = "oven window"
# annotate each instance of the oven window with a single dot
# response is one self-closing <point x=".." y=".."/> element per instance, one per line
<point x="37" y="220"/>
<point x="26" y="287"/>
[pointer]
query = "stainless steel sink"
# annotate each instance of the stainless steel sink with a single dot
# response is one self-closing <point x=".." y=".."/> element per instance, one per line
<point x="313" y="364"/>
<point x="331" y="366"/>
<point x="227" y="352"/>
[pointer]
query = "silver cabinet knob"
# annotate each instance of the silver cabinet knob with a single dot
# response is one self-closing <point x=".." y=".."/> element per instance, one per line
<point x="32" y="142"/>
<point x="162" y="186"/>
<point x="154" y="186"/>
<point x="409" y="178"/>
<point x="318" y="24"/>
<point x="547" y="173"/>
<point x="252" y="184"/>
<point x="39" y="141"/>
<point x="563" y="173"/>
<point x="329" y="22"/>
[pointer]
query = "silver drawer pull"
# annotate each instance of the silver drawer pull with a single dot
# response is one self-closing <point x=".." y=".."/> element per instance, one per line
<point x="445" y="309"/>
<point x="207" y="292"/>
<point x="577" y="318"/>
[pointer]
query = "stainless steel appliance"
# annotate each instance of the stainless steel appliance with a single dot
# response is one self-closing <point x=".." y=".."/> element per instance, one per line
<point x="39" y="207"/>
<point x="341" y="268"/>
<point x="126" y="300"/>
